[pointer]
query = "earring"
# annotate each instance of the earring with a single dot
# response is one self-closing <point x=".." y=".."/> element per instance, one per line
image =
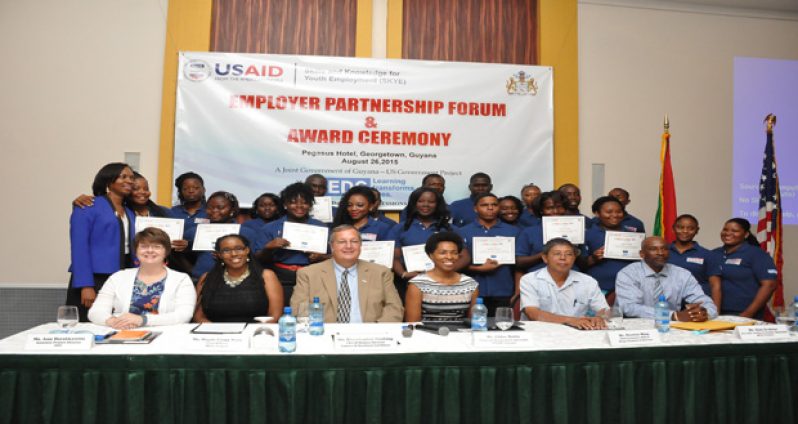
<point x="247" y="259"/>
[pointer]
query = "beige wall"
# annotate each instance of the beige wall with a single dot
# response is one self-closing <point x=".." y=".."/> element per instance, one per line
<point x="635" y="65"/>
<point x="81" y="85"/>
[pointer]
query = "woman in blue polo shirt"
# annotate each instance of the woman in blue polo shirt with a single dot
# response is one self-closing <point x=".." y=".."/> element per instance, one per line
<point x="191" y="193"/>
<point x="529" y="245"/>
<point x="355" y="209"/>
<point x="609" y="212"/>
<point x="426" y="215"/>
<point x="265" y="209"/>
<point x="748" y="274"/>
<point x="100" y="236"/>
<point x="510" y="208"/>
<point x="271" y="249"/>
<point x="688" y="254"/>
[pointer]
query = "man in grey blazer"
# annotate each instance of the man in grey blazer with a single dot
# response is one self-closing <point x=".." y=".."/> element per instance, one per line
<point x="351" y="290"/>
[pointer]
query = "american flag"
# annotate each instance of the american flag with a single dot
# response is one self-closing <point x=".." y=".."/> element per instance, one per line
<point x="768" y="229"/>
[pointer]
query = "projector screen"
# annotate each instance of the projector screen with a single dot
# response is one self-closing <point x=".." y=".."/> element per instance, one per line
<point x="763" y="86"/>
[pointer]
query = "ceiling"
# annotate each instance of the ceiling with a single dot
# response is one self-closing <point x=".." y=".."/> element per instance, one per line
<point x="778" y="9"/>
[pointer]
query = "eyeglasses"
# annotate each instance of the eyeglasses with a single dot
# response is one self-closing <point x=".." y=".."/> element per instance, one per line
<point x="156" y="247"/>
<point x="347" y="242"/>
<point x="231" y="250"/>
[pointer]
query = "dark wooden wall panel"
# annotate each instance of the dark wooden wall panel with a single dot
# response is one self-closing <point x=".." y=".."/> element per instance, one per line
<point x="312" y="27"/>
<point x="495" y="31"/>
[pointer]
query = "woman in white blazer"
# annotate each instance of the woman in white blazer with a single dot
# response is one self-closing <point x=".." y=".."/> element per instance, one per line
<point x="151" y="294"/>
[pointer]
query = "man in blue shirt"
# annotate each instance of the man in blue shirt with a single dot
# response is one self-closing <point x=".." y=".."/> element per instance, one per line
<point x="629" y="221"/>
<point x="496" y="283"/>
<point x="463" y="210"/>
<point x="573" y="197"/>
<point x="639" y="285"/>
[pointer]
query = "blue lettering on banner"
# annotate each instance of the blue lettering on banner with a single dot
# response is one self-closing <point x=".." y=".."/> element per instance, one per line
<point x="339" y="186"/>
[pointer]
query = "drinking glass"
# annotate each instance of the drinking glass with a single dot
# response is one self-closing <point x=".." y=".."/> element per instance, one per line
<point x="504" y="318"/>
<point x="67" y="317"/>
<point x="786" y="315"/>
<point x="613" y="317"/>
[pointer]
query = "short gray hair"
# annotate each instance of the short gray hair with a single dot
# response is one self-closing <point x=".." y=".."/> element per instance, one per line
<point x="343" y="227"/>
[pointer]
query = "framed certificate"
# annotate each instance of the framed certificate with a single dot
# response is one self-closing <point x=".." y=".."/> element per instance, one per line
<point x="571" y="228"/>
<point x="623" y="245"/>
<point x="206" y="236"/>
<point x="305" y="237"/>
<point x="172" y="227"/>
<point x="416" y="259"/>
<point x="322" y="209"/>
<point x="378" y="252"/>
<point x="500" y="249"/>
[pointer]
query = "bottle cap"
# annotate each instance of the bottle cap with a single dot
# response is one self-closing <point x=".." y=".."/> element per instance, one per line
<point x="662" y="298"/>
<point x="479" y="301"/>
<point x="287" y="310"/>
<point x="316" y="299"/>
<point x="796" y="298"/>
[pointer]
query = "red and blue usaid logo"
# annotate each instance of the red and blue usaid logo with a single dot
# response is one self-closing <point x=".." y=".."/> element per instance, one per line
<point x="199" y="70"/>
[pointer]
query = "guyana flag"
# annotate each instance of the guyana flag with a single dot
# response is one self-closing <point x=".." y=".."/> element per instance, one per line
<point x="666" y="210"/>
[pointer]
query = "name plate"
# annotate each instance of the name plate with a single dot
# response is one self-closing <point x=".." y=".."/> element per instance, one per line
<point x="59" y="342"/>
<point x="501" y="339"/>
<point x="218" y="342"/>
<point x="364" y="342"/>
<point x="633" y="337"/>
<point x="762" y="332"/>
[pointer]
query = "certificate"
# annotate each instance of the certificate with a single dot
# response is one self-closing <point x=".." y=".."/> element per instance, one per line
<point x="500" y="249"/>
<point x="206" y="236"/>
<point x="305" y="237"/>
<point x="172" y="227"/>
<point x="322" y="209"/>
<point x="378" y="252"/>
<point x="622" y="245"/>
<point x="571" y="228"/>
<point x="416" y="259"/>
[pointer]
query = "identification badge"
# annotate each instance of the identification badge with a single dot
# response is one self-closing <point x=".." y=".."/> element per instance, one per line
<point x="699" y="261"/>
<point x="202" y="221"/>
<point x="368" y="236"/>
<point x="736" y="261"/>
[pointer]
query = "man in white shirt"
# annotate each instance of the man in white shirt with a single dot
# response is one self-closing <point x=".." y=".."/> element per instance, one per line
<point x="559" y="294"/>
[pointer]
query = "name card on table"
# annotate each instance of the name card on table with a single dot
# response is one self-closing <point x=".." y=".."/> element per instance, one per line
<point x="59" y="342"/>
<point x="217" y="342"/>
<point x="364" y="342"/>
<point x="633" y="337"/>
<point x="762" y="332"/>
<point x="501" y="339"/>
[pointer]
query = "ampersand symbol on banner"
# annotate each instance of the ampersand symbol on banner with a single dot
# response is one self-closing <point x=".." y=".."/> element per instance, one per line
<point x="371" y="122"/>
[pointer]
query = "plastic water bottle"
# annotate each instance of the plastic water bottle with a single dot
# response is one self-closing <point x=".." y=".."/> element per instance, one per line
<point x="662" y="315"/>
<point x="316" y="316"/>
<point x="479" y="316"/>
<point x="287" y="323"/>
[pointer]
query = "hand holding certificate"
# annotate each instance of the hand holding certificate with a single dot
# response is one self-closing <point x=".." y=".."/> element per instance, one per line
<point x="206" y="236"/>
<point x="623" y="245"/>
<point x="378" y="252"/>
<point x="305" y="237"/>
<point x="571" y="228"/>
<point x="500" y="249"/>
<point x="172" y="227"/>
<point x="416" y="259"/>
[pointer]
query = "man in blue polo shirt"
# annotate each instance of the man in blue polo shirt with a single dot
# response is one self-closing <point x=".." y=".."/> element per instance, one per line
<point x="629" y="221"/>
<point x="463" y="210"/>
<point x="496" y="283"/>
<point x="573" y="197"/>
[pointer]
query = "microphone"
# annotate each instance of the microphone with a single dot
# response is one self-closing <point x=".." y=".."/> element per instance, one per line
<point x="407" y="330"/>
<point x="443" y="331"/>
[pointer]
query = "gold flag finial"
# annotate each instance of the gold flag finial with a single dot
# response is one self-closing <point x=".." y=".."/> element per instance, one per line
<point x="771" y="121"/>
<point x="666" y="124"/>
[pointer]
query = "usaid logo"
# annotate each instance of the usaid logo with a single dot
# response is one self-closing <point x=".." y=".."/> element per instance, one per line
<point x="196" y="70"/>
<point x="339" y="186"/>
<point x="249" y="71"/>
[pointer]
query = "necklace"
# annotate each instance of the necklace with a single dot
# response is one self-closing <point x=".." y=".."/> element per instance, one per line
<point x="234" y="282"/>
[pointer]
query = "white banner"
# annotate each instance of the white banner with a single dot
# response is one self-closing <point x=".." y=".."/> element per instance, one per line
<point x="252" y="123"/>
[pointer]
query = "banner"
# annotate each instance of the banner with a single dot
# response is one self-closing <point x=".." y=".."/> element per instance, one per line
<point x="252" y="123"/>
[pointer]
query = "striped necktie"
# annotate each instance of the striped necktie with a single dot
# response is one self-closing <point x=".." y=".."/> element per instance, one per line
<point x="344" y="298"/>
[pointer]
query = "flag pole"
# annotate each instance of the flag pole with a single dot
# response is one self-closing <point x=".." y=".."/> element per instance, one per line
<point x="770" y="120"/>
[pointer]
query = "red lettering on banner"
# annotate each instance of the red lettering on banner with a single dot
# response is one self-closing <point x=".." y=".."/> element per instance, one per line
<point x="320" y="136"/>
<point x="477" y="109"/>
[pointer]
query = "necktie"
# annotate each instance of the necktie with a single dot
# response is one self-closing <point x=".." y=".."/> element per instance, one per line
<point x="657" y="288"/>
<point x="344" y="298"/>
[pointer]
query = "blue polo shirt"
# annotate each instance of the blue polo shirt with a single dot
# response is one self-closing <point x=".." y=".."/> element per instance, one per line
<point x="385" y="220"/>
<point x="375" y="230"/>
<point x="701" y="262"/>
<point x="528" y="219"/>
<point x="255" y="224"/>
<point x="530" y="242"/>
<point x="463" y="211"/>
<point x="274" y="230"/>
<point x="190" y="220"/>
<point x="629" y="223"/>
<point x="416" y="234"/>
<point x="741" y="272"/>
<point x="606" y="270"/>
<point x="500" y="282"/>
<point x="403" y="213"/>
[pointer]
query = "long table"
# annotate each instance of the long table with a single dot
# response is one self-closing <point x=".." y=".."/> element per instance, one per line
<point x="566" y="376"/>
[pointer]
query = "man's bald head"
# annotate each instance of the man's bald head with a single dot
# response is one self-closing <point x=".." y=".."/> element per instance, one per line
<point x="654" y="251"/>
